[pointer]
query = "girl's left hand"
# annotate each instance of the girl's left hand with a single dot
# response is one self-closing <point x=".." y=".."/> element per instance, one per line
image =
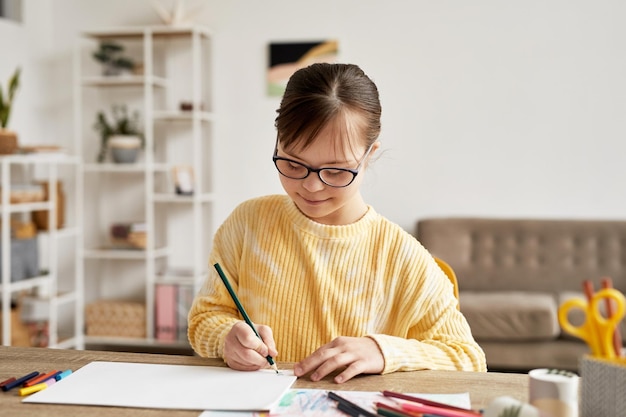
<point x="360" y="355"/>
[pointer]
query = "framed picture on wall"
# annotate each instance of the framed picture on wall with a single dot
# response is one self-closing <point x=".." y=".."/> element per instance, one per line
<point x="285" y="58"/>
<point x="183" y="179"/>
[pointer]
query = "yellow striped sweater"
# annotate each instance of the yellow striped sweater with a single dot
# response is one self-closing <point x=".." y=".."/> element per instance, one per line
<point x="312" y="282"/>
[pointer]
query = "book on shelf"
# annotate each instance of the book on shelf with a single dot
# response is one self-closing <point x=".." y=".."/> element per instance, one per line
<point x="185" y="298"/>
<point x="165" y="303"/>
<point x="172" y="304"/>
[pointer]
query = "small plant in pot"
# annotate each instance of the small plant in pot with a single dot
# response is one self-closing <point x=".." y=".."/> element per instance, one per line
<point x="8" y="138"/>
<point x="109" y="54"/>
<point x="121" y="134"/>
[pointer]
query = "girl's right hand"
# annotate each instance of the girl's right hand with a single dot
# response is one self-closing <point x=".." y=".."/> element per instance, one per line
<point x="244" y="351"/>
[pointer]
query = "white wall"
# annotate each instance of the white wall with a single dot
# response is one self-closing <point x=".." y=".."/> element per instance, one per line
<point x="490" y="107"/>
<point x="29" y="45"/>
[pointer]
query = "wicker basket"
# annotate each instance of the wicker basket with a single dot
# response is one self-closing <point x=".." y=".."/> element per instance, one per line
<point x="116" y="319"/>
<point x="8" y="142"/>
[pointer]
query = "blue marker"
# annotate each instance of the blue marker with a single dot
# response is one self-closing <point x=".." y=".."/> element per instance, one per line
<point x="63" y="374"/>
<point x="19" y="381"/>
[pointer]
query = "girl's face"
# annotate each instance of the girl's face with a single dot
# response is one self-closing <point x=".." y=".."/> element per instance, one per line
<point x="316" y="200"/>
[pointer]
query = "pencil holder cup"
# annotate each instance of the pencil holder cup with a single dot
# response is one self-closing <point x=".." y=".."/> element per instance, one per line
<point x="602" y="387"/>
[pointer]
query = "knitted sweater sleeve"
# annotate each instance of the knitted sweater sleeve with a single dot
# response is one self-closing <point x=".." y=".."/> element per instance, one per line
<point x="438" y="335"/>
<point x="213" y="313"/>
<point x="438" y="338"/>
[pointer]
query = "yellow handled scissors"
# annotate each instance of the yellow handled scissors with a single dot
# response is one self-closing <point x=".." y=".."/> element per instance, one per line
<point x="597" y="331"/>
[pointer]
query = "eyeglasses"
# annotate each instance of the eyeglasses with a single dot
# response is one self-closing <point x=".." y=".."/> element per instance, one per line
<point x="333" y="177"/>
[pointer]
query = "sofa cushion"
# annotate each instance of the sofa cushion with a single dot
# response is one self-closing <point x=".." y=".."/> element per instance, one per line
<point x="510" y="315"/>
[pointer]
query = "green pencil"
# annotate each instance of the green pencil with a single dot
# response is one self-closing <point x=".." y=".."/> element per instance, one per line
<point x="218" y="268"/>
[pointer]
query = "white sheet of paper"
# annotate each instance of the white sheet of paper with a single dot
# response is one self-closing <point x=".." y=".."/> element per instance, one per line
<point x="180" y="387"/>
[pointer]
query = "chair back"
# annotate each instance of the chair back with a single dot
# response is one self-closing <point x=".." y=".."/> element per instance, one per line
<point x="447" y="269"/>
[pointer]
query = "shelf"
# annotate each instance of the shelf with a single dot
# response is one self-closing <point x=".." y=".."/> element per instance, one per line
<point x="173" y="137"/>
<point x="137" y="168"/>
<point x="27" y="284"/>
<point x="182" y="116"/>
<point x="180" y="279"/>
<point x="140" y="32"/>
<point x="66" y="298"/>
<point x="136" y="342"/>
<point x="129" y="254"/>
<point x="40" y="158"/>
<point x="163" y="167"/>
<point x="124" y="81"/>
<point x="65" y="232"/>
<point x="26" y="207"/>
<point x="176" y="198"/>
<point x="66" y="343"/>
<point x="56" y="261"/>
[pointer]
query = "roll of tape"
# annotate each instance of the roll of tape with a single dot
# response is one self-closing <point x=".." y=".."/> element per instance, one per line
<point x="554" y="392"/>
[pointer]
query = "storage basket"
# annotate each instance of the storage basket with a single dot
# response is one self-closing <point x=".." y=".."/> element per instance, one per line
<point x="116" y="319"/>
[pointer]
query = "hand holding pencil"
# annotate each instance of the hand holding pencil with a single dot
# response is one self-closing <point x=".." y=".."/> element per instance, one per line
<point x="247" y="347"/>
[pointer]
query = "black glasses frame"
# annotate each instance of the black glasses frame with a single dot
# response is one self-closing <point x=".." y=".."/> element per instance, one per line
<point x="318" y="171"/>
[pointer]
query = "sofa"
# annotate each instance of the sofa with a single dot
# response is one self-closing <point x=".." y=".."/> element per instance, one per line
<point x="513" y="274"/>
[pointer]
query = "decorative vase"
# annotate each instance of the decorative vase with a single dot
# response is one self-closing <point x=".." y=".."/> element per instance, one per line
<point x="124" y="148"/>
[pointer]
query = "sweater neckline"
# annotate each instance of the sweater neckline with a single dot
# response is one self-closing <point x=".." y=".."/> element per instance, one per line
<point x="328" y="230"/>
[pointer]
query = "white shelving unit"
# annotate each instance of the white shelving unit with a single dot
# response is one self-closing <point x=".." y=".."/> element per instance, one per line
<point x="179" y="228"/>
<point x="60" y="278"/>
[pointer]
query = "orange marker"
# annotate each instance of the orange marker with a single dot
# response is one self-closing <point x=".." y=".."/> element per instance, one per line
<point x="41" y="378"/>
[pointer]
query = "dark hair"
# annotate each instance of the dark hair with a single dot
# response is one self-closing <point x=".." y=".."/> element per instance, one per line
<point x="321" y="93"/>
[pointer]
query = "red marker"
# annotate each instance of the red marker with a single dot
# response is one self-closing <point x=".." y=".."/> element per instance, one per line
<point x="439" y="411"/>
<point x="3" y="383"/>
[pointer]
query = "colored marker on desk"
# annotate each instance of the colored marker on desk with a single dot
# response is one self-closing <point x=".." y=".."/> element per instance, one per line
<point x="218" y="268"/>
<point x="349" y="407"/>
<point x="425" y="401"/>
<point x="7" y="381"/>
<point x="37" y="387"/>
<point x="19" y="381"/>
<point x="41" y="378"/>
<point x="346" y="409"/>
<point x="389" y="411"/>
<point x="63" y="374"/>
<point x="429" y="409"/>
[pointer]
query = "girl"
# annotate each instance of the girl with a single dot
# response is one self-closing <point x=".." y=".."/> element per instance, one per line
<point x="334" y="285"/>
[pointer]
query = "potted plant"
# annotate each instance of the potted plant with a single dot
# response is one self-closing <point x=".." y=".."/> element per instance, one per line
<point x="8" y="139"/>
<point x="109" y="54"/>
<point x="121" y="133"/>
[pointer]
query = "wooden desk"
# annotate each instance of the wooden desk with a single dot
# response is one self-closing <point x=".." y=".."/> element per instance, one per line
<point x="15" y="361"/>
